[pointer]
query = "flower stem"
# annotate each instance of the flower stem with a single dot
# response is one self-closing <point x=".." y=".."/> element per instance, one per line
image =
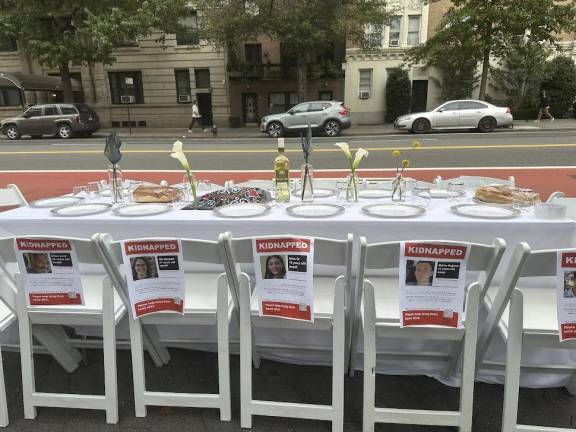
<point x="192" y="182"/>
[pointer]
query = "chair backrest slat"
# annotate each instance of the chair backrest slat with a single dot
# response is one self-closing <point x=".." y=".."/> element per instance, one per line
<point x="540" y="263"/>
<point x="11" y="196"/>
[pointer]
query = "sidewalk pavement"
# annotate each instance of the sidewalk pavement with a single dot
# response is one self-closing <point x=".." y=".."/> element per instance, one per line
<point x="357" y="130"/>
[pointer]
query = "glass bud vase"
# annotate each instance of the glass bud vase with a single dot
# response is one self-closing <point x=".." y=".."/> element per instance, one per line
<point x="307" y="183"/>
<point x="398" y="188"/>
<point x="115" y="182"/>
<point x="352" y="188"/>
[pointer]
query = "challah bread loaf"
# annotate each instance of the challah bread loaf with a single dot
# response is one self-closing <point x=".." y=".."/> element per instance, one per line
<point x="153" y="193"/>
<point x="503" y="195"/>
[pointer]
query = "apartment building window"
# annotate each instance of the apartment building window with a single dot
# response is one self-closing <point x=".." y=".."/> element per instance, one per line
<point x="202" y="77"/>
<point x="365" y="83"/>
<point x="375" y="36"/>
<point x="10" y="97"/>
<point x="127" y="83"/>
<point x="394" y="32"/>
<point x="189" y="34"/>
<point x="413" y="30"/>
<point x="7" y="44"/>
<point x="253" y="53"/>
<point x="183" y="92"/>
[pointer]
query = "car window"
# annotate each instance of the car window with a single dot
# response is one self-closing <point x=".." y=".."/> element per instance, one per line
<point x="33" y="112"/>
<point x="50" y="110"/>
<point x="317" y="106"/>
<point x="300" y="108"/>
<point x="471" y="105"/>
<point x="66" y="110"/>
<point x="451" y="106"/>
<point x="83" y="109"/>
<point x="326" y="105"/>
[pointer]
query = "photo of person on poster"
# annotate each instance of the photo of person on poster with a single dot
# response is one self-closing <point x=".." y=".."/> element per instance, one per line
<point x="143" y="268"/>
<point x="37" y="263"/>
<point x="419" y="273"/>
<point x="569" y="285"/>
<point x="274" y="267"/>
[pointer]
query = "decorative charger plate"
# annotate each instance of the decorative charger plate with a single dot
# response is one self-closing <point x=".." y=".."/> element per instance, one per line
<point x="84" y="209"/>
<point x="136" y="209"/>
<point x="485" y="211"/>
<point x="55" y="202"/>
<point x="318" y="193"/>
<point x="393" y="210"/>
<point x="314" y="210"/>
<point x="375" y="193"/>
<point x="242" y="210"/>
<point x="443" y="193"/>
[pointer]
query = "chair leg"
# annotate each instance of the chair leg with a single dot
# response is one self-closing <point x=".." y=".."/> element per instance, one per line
<point x="3" y="403"/>
<point x="369" y="327"/>
<point x="255" y="353"/>
<point x="245" y="358"/>
<point x="571" y="386"/>
<point x="109" y="348"/>
<point x="513" y="361"/>
<point x="224" y="352"/>
<point x="26" y="355"/>
<point x="338" y="359"/>
<point x="157" y="351"/>
<point x="138" y="371"/>
<point x="56" y="341"/>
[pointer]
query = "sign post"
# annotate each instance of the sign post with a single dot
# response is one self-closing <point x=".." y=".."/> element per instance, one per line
<point x="128" y="99"/>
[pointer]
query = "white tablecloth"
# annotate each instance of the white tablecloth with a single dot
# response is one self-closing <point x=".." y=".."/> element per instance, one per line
<point x="439" y="223"/>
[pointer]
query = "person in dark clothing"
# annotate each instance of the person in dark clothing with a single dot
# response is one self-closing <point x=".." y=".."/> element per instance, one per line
<point x="544" y="106"/>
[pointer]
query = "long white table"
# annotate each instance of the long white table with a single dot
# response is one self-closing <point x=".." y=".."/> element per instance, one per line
<point x="438" y="223"/>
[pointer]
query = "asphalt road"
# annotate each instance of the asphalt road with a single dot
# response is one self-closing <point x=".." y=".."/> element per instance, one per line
<point x="503" y="148"/>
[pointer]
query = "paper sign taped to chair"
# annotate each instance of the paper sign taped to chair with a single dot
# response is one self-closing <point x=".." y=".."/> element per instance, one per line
<point x="284" y="268"/>
<point x="566" y="294"/>
<point x="432" y="284"/>
<point x="154" y="275"/>
<point x="50" y="273"/>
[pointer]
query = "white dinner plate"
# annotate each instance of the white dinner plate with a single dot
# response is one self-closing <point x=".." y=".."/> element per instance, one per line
<point x="242" y="210"/>
<point x="393" y="210"/>
<point x="83" y="209"/>
<point x="314" y="210"/>
<point x="485" y="211"/>
<point x="55" y="202"/>
<point x="375" y="193"/>
<point x="145" y="209"/>
<point x="443" y="193"/>
<point x="318" y="193"/>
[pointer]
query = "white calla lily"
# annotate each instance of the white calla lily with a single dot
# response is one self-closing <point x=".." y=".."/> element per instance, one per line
<point x="360" y="154"/>
<point x="178" y="154"/>
<point x="344" y="147"/>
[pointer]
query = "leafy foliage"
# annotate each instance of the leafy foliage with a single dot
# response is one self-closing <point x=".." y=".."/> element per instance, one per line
<point x="397" y="94"/>
<point x="483" y="29"/>
<point x="303" y="27"/>
<point x="560" y="82"/>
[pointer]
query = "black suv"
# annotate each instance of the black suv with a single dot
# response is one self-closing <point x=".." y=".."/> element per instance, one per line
<point x="61" y="120"/>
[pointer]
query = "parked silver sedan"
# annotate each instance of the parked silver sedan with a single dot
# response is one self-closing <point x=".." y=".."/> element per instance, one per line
<point x="458" y="114"/>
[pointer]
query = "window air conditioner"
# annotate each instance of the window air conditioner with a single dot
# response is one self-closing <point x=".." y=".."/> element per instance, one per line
<point x="128" y="99"/>
<point x="364" y="94"/>
<point x="394" y="42"/>
<point x="184" y="98"/>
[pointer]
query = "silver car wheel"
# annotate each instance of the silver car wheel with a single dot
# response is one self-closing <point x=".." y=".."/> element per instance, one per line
<point x="332" y="128"/>
<point x="275" y="129"/>
<point x="64" y="131"/>
<point x="12" y="132"/>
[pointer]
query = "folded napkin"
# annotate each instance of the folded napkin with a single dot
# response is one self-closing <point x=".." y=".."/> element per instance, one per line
<point x="233" y="195"/>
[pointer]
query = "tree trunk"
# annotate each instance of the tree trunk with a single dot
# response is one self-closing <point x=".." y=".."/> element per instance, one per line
<point x="66" y="83"/>
<point x="302" y="66"/>
<point x="484" y="78"/>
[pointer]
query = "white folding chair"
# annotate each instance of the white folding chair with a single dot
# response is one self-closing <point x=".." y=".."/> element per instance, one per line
<point x="208" y="302"/>
<point x="380" y="317"/>
<point x="11" y="196"/>
<point x="102" y="307"/>
<point x="474" y="182"/>
<point x="528" y="320"/>
<point x="570" y="203"/>
<point x="332" y="311"/>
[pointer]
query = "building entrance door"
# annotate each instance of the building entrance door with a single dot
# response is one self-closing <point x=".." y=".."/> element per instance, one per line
<point x="419" y="95"/>
<point x="205" y="108"/>
<point x="250" y="107"/>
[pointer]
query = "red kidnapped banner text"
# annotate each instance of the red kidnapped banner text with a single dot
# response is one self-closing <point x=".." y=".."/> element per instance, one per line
<point x="151" y="246"/>
<point x="569" y="259"/>
<point x="283" y="245"/>
<point x="53" y="299"/>
<point x="157" y="305"/>
<point x="437" y="251"/>
<point x="43" y="244"/>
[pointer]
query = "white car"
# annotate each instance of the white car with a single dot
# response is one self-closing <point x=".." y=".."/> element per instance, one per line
<point x="458" y="114"/>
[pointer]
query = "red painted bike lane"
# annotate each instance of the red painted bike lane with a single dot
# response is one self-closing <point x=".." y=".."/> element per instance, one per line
<point x="36" y="184"/>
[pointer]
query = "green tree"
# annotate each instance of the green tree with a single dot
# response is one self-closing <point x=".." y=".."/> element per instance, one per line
<point x="303" y="27"/>
<point x="398" y="88"/>
<point x="520" y="76"/>
<point x="560" y="82"/>
<point x="59" y="33"/>
<point x="485" y="29"/>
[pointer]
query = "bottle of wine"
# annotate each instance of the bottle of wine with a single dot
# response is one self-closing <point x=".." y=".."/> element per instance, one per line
<point x="282" y="174"/>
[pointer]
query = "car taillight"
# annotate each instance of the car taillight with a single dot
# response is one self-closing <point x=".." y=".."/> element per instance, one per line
<point x="508" y="110"/>
<point x="344" y="111"/>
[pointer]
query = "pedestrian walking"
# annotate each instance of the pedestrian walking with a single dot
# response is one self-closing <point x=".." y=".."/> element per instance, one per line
<point x="196" y="118"/>
<point x="544" y="107"/>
